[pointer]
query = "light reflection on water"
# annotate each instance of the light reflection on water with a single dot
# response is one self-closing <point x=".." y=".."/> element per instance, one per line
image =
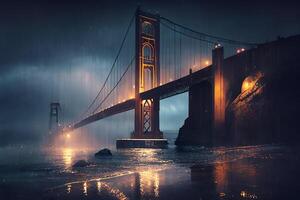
<point x="149" y="183"/>
<point x="67" y="154"/>
<point x="69" y="188"/>
<point x="232" y="173"/>
<point x="146" y="185"/>
<point x="98" y="186"/>
<point x="227" y="174"/>
<point x="115" y="192"/>
<point x="85" y="188"/>
<point x="147" y="155"/>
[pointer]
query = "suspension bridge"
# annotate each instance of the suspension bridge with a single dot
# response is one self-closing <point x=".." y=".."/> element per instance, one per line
<point x="159" y="58"/>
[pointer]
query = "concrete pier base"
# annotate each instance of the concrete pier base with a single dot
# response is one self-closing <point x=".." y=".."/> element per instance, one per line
<point x="142" y="143"/>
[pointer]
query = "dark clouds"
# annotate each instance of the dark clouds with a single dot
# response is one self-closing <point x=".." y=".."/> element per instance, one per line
<point x="60" y="50"/>
<point x="44" y="33"/>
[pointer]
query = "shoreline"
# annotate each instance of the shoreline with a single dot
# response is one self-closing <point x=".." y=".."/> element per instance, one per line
<point x="247" y="178"/>
<point x="251" y="172"/>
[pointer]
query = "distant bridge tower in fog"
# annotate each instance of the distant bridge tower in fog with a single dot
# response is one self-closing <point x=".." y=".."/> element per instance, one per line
<point x="54" y="119"/>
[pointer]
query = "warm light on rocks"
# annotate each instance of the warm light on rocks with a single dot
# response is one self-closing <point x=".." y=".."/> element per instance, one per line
<point x="249" y="82"/>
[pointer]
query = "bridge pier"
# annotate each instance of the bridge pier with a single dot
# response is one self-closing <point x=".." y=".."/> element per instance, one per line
<point x="197" y="128"/>
<point x="205" y="124"/>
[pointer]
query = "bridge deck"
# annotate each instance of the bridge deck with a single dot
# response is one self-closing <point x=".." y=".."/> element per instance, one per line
<point x="180" y="85"/>
<point x="164" y="91"/>
<point x="118" y="108"/>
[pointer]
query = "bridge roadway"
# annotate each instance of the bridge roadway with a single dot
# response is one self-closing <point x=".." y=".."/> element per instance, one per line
<point x="164" y="91"/>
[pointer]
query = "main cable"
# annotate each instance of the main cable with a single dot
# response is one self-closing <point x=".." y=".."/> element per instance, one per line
<point x="219" y="39"/>
<point x="113" y="65"/>
<point x="114" y="86"/>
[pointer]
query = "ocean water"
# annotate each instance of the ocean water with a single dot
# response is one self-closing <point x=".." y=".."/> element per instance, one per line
<point x="31" y="172"/>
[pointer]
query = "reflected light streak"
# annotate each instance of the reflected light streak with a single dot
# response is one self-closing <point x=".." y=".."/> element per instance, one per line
<point x="220" y="176"/>
<point x="245" y="194"/>
<point x="69" y="188"/>
<point x="156" y="185"/>
<point x="99" y="186"/>
<point x="85" y="188"/>
<point x="114" y="191"/>
<point x="149" y="183"/>
<point x="67" y="157"/>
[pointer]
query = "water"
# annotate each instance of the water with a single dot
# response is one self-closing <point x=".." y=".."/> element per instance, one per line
<point x="253" y="172"/>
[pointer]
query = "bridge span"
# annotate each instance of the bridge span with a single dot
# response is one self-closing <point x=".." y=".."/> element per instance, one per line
<point x="155" y="67"/>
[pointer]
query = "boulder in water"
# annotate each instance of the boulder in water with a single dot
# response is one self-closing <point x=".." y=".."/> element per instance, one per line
<point x="81" y="163"/>
<point x="103" y="152"/>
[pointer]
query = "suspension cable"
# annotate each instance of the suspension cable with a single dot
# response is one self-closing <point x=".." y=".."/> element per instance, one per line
<point x="115" y="85"/>
<point x="187" y="35"/>
<point x="113" y="65"/>
<point x="204" y="34"/>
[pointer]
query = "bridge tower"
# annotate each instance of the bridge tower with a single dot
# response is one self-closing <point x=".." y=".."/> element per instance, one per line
<point x="53" y="120"/>
<point x="147" y="75"/>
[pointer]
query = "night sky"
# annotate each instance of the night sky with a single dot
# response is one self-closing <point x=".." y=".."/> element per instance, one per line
<point x="63" y="50"/>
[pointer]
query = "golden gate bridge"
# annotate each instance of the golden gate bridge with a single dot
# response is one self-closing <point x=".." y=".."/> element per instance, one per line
<point x="159" y="58"/>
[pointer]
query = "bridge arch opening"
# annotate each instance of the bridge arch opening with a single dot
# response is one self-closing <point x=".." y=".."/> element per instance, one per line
<point x="173" y="112"/>
<point x="197" y="128"/>
<point x="148" y="78"/>
<point x="148" y="66"/>
<point x="147" y="53"/>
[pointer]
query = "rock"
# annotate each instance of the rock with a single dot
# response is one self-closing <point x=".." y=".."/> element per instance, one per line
<point x="197" y="128"/>
<point x="250" y="115"/>
<point x="103" y="152"/>
<point x="193" y="133"/>
<point x="81" y="163"/>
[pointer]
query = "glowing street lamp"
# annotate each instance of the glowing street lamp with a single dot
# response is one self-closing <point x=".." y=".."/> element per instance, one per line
<point x="206" y="62"/>
<point x="240" y="50"/>
<point x="217" y="45"/>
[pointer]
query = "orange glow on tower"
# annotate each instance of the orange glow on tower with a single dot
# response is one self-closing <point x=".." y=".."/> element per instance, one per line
<point x="219" y="90"/>
<point x="147" y="74"/>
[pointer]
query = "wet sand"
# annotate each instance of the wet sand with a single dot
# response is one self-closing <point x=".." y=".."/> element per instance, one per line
<point x="258" y="177"/>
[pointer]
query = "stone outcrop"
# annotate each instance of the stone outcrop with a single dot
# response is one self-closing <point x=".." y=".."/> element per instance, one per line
<point x="197" y="127"/>
<point x="247" y="116"/>
<point x="192" y="133"/>
<point x="266" y="112"/>
<point x="103" y="152"/>
<point x="81" y="163"/>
